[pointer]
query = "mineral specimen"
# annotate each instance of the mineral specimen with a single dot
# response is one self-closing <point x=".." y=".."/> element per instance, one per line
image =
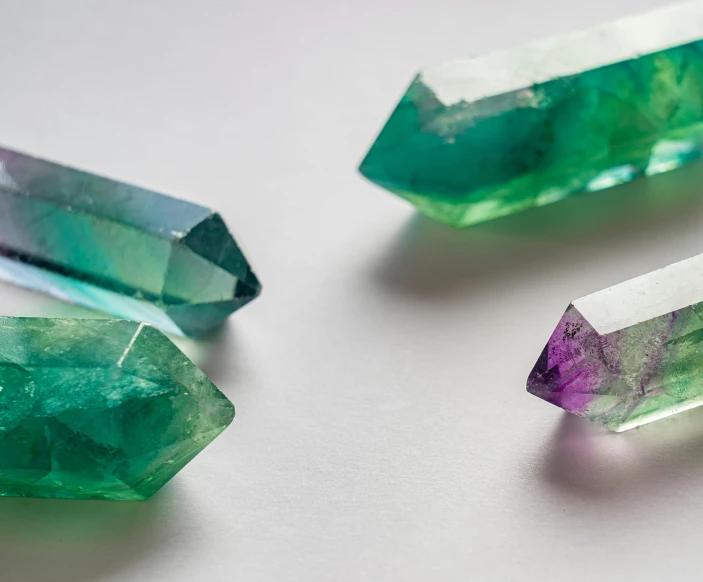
<point x="118" y="248"/>
<point x="99" y="409"/>
<point x="629" y="354"/>
<point x="477" y="139"/>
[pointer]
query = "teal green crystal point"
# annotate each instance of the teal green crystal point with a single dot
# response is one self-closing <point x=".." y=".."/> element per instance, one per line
<point x="99" y="409"/>
<point x="630" y="354"/>
<point x="478" y="139"/>
<point x="118" y="248"/>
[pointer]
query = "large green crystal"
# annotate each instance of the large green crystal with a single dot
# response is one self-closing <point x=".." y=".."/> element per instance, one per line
<point x="99" y="409"/>
<point x="118" y="248"/>
<point x="474" y="140"/>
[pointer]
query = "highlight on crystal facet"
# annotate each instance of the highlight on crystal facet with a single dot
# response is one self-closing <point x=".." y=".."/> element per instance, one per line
<point x="474" y="140"/>
<point x="629" y="354"/>
<point x="99" y="409"/>
<point x="118" y="248"/>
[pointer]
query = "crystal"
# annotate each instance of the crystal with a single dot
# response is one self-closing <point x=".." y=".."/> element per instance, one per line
<point x="99" y="409"/>
<point x="629" y="354"/>
<point x="118" y="248"/>
<point x="486" y="137"/>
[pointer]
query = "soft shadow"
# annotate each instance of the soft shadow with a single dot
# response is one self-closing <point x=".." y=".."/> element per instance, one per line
<point x="52" y="540"/>
<point x="432" y="260"/>
<point x="587" y="460"/>
<point x="214" y="353"/>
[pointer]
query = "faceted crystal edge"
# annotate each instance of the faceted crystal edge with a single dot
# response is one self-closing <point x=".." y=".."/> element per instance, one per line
<point x="644" y="297"/>
<point x="141" y="253"/>
<point x="469" y="80"/>
<point x="629" y="376"/>
<point x="567" y="376"/>
<point x="465" y="157"/>
<point x="58" y="183"/>
<point x="99" y="409"/>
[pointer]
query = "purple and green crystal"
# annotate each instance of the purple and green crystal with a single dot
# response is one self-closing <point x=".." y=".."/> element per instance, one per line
<point x="118" y="248"/>
<point x="629" y="354"/>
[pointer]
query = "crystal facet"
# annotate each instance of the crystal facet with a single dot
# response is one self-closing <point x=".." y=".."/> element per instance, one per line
<point x="629" y="354"/>
<point x="99" y="409"/>
<point x="118" y="248"/>
<point x="477" y="139"/>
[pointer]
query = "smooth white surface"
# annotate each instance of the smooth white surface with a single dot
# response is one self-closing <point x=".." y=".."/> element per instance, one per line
<point x="383" y="430"/>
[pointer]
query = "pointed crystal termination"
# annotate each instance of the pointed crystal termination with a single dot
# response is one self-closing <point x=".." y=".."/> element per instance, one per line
<point x="99" y="409"/>
<point x="478" y="139"/>
<point x="118" y="248"/>
<point x="629" y="354"/>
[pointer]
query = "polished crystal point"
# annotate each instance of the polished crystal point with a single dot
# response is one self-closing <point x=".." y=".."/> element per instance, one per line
<point x="629" y="354"/>
<point x="99" y="409"/>
<point x="118" y="248"/>
<point x="477" y="139"/>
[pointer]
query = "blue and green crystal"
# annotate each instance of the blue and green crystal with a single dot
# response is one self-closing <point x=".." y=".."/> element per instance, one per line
<point x="118" y="248"/>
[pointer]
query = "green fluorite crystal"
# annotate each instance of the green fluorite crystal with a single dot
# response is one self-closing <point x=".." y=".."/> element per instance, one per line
<point x="99" y="409"/>
<point x="118" y="248"/>
<point x="474" y="140"/>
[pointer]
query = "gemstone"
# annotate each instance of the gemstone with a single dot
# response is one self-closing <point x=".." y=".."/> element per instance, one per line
<point x="118" y="248"/>
<point x="629" y="354"/>
<point x="474" y="140"/>
<point x="99" y="409"/>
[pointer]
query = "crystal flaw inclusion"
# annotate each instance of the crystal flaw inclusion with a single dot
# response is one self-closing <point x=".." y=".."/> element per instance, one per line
<point x="474" y="140"/>
<point x="99" y="409"/>
<point x="118" y="248"/>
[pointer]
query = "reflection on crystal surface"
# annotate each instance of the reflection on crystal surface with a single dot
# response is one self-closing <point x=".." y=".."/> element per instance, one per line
<point x="118" y="248"/>
<point x="477" y="139"/>
<point x="629" y="354"/>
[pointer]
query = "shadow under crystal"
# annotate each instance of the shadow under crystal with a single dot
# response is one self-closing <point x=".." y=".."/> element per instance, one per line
<point x="586" y="460"/>
<point x="431" y="260"/>
<point x="52" y="540"/>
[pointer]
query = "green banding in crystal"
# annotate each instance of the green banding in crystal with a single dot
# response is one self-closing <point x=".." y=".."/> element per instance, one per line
<point x="136" y="251"/>
<point x="99" y="409"/>
<point x="462" y="162"/>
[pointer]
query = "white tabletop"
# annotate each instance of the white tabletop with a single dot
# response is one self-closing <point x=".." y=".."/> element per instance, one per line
<point x="383" y="430"/>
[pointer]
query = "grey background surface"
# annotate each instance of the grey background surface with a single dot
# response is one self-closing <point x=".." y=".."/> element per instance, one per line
<point x="383" y="431"/>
